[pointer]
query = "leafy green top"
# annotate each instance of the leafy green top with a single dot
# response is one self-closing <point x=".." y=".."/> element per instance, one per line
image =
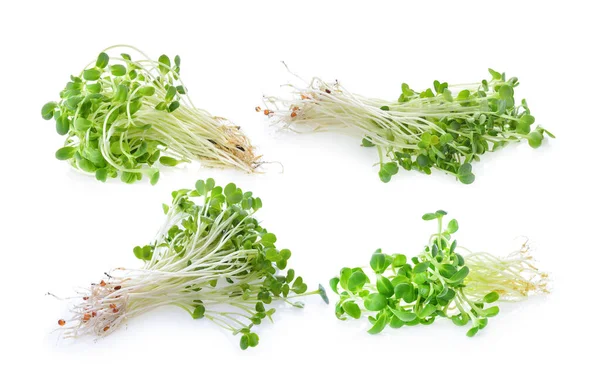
<point x="404" y="292"/>
<point x="458" y="128"/>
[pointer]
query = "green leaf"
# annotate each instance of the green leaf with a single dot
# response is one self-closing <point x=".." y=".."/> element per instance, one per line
<point x="391" y="168"/>
<point x="210" y="184"/>
<point x="452" y="226"/>
<point x="146" y="91"/>
<point x="200" y="187"/>
<point x="65" y="153"/>
<point x="380" y="324"/>
<point x="269" y="238"/>
<point x="62" y="124"/>
<point x="396" y="323"/>
<point x="429" y="216"/>
<point x="491" y="312"/>
<point x="94" y="156"/>
<point x="384" y="176"/>
<point x="101" y="174"/>
<point x="535" y="139"/>
<point x="463" y="95"/>
<point x="410" y="295"/>
<point x="235" y="197"/>
<point x="134" y="106"/>
<point x="367" y="143"/>
<point x="400" y="278"/>
<point x="423" y="161"/>
<point x="118" y="70"/>
<point x="333" y="284"/>
<point x="345" y="274"/>
<point x="464" y="169"/>
<point x="92" y="74"/>
<point x="229" y="189"/>
<point x="82" y="124"/>
<point x="356" y="281"/>
<point x="137" y="251"/>
<point x="154" y="177"/>
<point x="384" y="286"/>
<point x="102" y="60"/>
<point x="467" y="179"/>
<point x="405" y="316"/>
<point x="168" y="161"/>
<point x="352" y="309"/>
<point x="285" y="254"/>
<point x="481" y="323"/>
<point x="299" y="286"/>
<point x="460" y="320"/>
<point x="244" y="342"/>
<point x="164" y="64"/>
<point x="426" y="311"/>
<point x="495" y="75"/>
<point x="421" y="267"/>
<point x="506" y="92"/>
<point x="199" y="311"/>
<point x="323" y="294"/>
<point x="86" y="165"/>
<point x="527" y="119"/>
<point x="94" y="88"/>
<point x="252" y="340"/>
<point x="459" y="275"/>
<point x="491" y="297"/>
<point x="472" y="331"/>
<point x="379" y="263"/>
<point x="447" y="95"/>
<point x="464" y="174"/>
<point x="122" y="92"/>
<point x="147" y="253"/>
<point x="446" y="270"/>
<point x="402" y="289"/>
<point x="399" y="260"/>
<point x="290" y="275"/>
<point x="375" y="302"/>
<point x="48" y="110"/>
<point x="173" y="106"/>
<point x="171" y="91"/>
<point x="446" y="294"/>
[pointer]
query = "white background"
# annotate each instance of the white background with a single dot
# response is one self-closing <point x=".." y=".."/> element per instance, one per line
<point x="62" y="229"/>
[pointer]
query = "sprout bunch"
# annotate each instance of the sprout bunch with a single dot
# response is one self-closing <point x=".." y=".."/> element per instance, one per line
<point x="439" y="282"/>
<point x="444" y="127"/>
<point x="211" y="258"/>
<point x="121" y="115"/>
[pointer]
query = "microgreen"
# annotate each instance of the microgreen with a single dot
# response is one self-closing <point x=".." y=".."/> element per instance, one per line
<point x="444" y="127"/>
<point x="438" y="282"/>
<point x="211" y="257"/>
<point x="121" y="116"/>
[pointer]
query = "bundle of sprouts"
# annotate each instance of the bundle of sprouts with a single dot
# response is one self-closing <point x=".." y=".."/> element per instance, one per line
<point x="211" y="258"/>
<point x="445" y="128"/>
<point x="122" y="115"/>
<point x="439" y="282"/>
